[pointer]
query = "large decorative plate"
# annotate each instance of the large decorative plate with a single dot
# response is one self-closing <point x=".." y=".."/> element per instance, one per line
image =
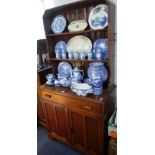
<point x="101" y="45"/>
<point x="79" y="43"/>
<point x="79" y="25"/>
<point x="60" y="46"/>
<point x="98" y="17"/>
<point x="59" y="23"/>
<point x="64" y="68"/>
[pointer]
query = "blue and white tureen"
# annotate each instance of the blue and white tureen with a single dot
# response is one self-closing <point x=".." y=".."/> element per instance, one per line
<point x="81" y="88"/>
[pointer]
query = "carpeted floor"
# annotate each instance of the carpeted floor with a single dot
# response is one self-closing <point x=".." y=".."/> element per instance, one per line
<point x="46" y="146"/>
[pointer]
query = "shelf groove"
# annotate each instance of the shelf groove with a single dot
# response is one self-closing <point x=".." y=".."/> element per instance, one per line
<point x="78" y="60"/>
<point x="75" y="33"/>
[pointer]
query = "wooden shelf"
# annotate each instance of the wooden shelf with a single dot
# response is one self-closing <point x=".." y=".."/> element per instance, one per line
<point x="72" y="60"/>
<point x="75" y="33"/>
<point x="40" y="70"/>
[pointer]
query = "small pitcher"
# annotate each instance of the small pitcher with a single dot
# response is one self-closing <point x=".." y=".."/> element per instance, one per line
<point x="77" y="74"/>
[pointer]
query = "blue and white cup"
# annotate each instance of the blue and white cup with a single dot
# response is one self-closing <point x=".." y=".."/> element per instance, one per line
<point x="56" y="82"/>
<point x="82" y="56"/>
<point x="58" y="55"/>
<point x="49" y="77"/>
<point x="70" y="55"/>
<point x="90" y="55"/>
<point x="76" y="55"/>
<point x="64" y="55"/>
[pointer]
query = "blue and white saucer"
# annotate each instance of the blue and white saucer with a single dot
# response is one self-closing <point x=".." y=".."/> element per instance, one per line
<point x="98" y="17"/>
<point x="58" y="25"/>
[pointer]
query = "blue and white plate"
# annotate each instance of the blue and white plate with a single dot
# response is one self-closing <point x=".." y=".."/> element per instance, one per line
<point x="60" y="46"/>
<point x="98" y="17"/>
<point x="64" y="68"/>
<point x="58" y="25"/>
<point x="101" y="45"/>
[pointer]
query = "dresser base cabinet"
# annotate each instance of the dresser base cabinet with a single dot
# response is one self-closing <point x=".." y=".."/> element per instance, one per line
<point x="80" y="122"/>
<point x="41" y="112"/>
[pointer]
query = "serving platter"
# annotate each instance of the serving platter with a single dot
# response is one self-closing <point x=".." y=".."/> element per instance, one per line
<point x="79" y="25"/>
<point x="79" y="44"/>
<point x="58" y="24"/>
<point x="98" y="17"/>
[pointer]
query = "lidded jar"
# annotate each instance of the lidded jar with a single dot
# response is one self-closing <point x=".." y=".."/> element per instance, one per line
<point x="97" y="69"/>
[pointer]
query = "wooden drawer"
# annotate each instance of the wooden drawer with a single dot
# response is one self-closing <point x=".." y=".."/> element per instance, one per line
<point x="72" y="102"/>
<point x="46" y="95"/>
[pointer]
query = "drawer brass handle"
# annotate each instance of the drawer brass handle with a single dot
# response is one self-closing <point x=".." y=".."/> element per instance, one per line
<point x="47" y="95"/>
<point x="87" y="107"/>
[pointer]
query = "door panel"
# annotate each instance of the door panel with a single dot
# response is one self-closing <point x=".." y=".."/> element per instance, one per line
<point x="61" y="116"/>
<point x="57" y="120"/>
<point x="51" y="118"/>
<point x="77" y="128"/>
<point x="41" y="112"/>
<point x="92" y="134"/>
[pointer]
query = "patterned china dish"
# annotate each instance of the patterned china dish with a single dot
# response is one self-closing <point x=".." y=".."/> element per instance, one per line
<point x="60" y="47"/>
<point x="58" y="25"/>
<point x="64" y="68"/>
<point x="98" y="17"/>
<point x="79" y="25"/>
<point x="101" y="46"/>
<point x="81" y="89"/>
<point x="79" y="44"/>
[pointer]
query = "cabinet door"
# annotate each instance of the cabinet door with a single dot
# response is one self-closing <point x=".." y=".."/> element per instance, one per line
<point x="41" y="112"/>
<point x="58" y="120"/>
<point x="86" y="133"/>
<point x="77" y="129"/>
<point x="93" y="135"/>
<point x="52" y="126"/>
